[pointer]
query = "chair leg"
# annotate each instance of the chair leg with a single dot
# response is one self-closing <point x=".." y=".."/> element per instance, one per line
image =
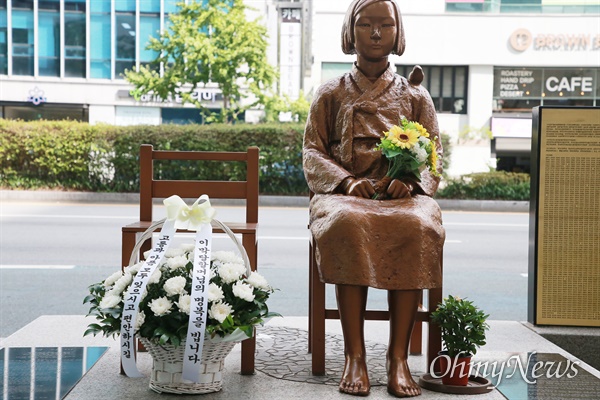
<point x="435" y="333"/>
<point x="416" y="339"/>
<point x="249" y="345"/>
<point x="317" y="320"/>
<point x="248" y="351"/>
<point x="310" y="292"/>
<point x="127" y="245"/>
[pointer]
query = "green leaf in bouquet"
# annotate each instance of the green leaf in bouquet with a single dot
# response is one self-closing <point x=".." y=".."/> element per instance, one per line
<point x="93" y="312"/>
<point x="390" y="153"/>
<point x="164" y="339"/>
<point x="115" y="312"/>
<point x="175" y="341"/>
<point x="228" y="323"/>
<point x="89" y="298"/>
<point x="93" y="329"/>
<point x="247" y="329"/>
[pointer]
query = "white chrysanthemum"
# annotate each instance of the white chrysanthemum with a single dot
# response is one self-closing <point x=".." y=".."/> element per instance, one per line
<point x="139" y="321"/>
<point x="215" y="293"/>
<point x="134" y="269"/>
<point x="185" y="300"/>
<point x="419" y="153"/>
<point x="174" y="252"/>
<point x="110" y="301"/>
<point x="258" y="281"/>
<point x="161" y="306"/>
<point x="155" y="277"/>
<point x="177" y="262"/>
<point x="108" y="282"/>
<point x="243" y="291"/>
<point x="188" y="247"/>
<point x="219" y="311"/>
<point x="226" y="257"/>
<point x="231" y="272"/>
<point x="123" y="282"/>
<point x="175" y="285"/>
<point x="424" y="140"/>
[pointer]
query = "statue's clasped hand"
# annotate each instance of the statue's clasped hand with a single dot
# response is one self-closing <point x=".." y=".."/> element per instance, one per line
<point x="358" y="187"/>
<point x="398" y="189"/>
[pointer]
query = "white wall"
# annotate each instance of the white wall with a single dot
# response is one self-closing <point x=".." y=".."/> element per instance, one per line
<point x="480" y="93"/>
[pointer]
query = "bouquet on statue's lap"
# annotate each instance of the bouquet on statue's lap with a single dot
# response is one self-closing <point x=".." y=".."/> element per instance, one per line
<point x="236" y="302"/>
<point x="410" y="150"/>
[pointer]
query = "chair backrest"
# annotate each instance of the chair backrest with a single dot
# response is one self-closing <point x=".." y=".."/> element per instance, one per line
<point x="151" y="188"/>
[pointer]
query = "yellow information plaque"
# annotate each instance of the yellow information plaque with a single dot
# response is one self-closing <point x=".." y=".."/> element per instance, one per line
<point x="564" y="267"/>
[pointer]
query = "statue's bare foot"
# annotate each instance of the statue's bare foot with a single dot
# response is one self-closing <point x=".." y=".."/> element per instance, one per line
<point x="355" y="379"/>
<point x="400" y="382"/>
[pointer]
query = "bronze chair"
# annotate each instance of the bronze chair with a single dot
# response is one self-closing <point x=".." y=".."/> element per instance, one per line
<point x="318" y="313"/>
<point x="151" y="188"/>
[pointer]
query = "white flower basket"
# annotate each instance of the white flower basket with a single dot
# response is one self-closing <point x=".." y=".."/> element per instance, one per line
<point x="167" y="360"/>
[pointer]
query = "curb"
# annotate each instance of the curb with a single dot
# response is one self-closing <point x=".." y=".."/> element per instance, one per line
<point x="265" y="201"/>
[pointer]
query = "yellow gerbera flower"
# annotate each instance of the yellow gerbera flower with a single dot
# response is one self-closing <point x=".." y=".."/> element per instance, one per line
<point x="403" y="138"/>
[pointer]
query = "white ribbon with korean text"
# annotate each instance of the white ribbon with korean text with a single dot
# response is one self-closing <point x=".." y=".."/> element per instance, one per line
<point x="199" y="306"/>
<point x="134" y="296"/>
<point x="179" y="216"/>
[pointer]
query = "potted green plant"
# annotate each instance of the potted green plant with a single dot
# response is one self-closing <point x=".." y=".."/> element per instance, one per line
<point x="463" y="327"/>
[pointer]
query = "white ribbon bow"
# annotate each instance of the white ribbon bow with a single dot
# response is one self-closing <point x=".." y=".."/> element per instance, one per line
<point x="189" y="217"/>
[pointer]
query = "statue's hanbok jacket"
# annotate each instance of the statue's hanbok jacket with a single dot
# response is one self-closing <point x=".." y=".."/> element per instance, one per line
<point x="386" y="244"/>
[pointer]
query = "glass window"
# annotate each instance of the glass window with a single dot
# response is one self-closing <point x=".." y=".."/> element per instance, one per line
<point x="3" y="43"/>
<point x="149" y="27"/>
<point x="100" y="6"/>
<point x="75" y="45"/>
<point x="47" y="112"/>
<point x="49" y="43"/>
<point x="125" y="44"/>
<point x="171" y="6"/>
<point x="150" y="6"/>
<point x="182" y="116"/>
<point x="447" y="86"/>
<point x="23" y="4"/>
<point x="433" y="80"/>
<point x="125" y="5"/>
<point x="22" y="35"/>
<point x="75" y="5"/>
<point x="52" y="5"/>
<point x="100" y="43"/>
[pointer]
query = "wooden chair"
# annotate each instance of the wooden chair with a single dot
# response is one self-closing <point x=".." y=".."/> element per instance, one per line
<point x="151" y="188"/>
<point x="318" y="313"/>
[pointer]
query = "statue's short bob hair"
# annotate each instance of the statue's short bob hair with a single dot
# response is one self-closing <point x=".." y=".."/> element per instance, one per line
<point x="350" y="19"/>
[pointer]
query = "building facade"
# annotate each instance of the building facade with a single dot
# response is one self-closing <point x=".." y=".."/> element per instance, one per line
<point x="486" y="62"/>
<point x="66" y="58"/>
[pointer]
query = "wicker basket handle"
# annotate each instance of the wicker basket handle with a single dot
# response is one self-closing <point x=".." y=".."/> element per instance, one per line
<point x="158" y="224"/>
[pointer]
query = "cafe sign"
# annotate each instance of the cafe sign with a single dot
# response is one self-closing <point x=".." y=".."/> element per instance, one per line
<point x="522" y="39"/>
<point x="545" y="82"/>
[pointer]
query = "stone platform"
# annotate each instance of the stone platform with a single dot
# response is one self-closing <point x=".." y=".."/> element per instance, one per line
<point x="283" y="364"/>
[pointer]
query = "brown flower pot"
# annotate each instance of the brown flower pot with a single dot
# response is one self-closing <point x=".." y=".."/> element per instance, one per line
<point x="455" y="370"/>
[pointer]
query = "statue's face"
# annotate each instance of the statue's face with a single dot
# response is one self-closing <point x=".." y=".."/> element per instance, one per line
<point x="375" y="31"/>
